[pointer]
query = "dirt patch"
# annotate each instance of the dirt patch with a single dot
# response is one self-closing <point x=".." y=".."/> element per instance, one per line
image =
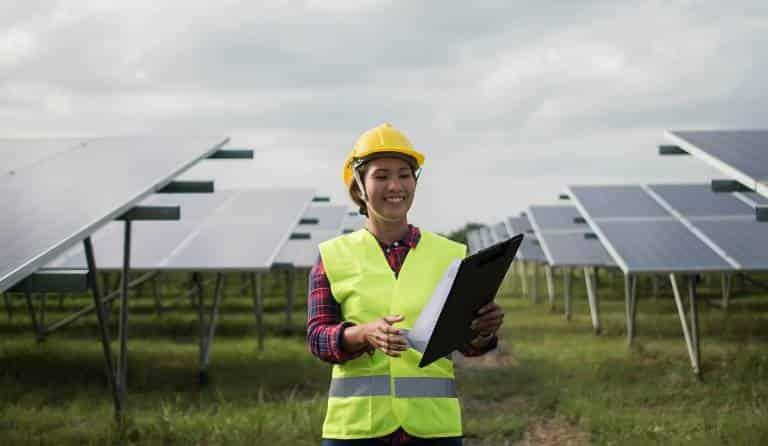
<point x="556" y="431"/>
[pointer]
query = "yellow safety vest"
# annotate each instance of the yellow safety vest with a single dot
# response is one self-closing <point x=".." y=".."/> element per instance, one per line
<point x="371" y="396"/>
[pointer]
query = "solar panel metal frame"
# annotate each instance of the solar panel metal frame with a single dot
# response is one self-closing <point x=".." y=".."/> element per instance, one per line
<point x="93" y="149"/>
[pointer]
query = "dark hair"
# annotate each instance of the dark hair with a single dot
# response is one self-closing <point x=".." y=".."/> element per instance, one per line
<point x="356" y="194"/>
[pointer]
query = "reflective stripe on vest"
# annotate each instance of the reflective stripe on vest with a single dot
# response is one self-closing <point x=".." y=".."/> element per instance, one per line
<point x="404" y="387"/>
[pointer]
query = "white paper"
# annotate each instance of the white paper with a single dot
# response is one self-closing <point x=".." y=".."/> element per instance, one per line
<point x="419" y="335"/>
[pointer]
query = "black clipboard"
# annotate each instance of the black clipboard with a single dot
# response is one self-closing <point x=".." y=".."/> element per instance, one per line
<point x="476" y="283"/>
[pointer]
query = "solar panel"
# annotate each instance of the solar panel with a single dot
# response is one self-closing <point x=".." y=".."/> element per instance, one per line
<point x="474" y="243"/>
<point x="619" y="201"/>
<point x="500" y="231"/>
<point x="556" y="218"/>
<point x="740" y="154"/>
<point x="194" y="207"/>
<point x="519" y="225"/>
<point x="660" y="246"/>
<point x="754" y="198"/>
<point x="243" y="231"/>
<point x="353" y="221"/>
<point x="698" y="200"/>
<point x="573" y="249"/>
<point x="50" y="205"/>
<point x="563" y="241"/>
<point x="744" y="240"/>
<point x="529" y="248"/>
<point x="657" y="240"/>
<point x="303" y="253"/>
<point x="19" y="154"/>
<point x="487" y="237"/>
<point x="729" y="225"/>
<point x="328" y="217"/>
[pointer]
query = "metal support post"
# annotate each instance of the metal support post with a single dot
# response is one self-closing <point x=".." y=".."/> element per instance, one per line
<point x="43" y="302"/>
<point x="596" y="275"/>
<point x="594" y="304"/>
<point x="156" y="297"/>
<point x="33" y="316"/>
<point x="122" y="367"/>
<point x="103" y="329"/>
<point x="511" y="275"/>
<point x="207" y="333"/>
<point x="243" y="284"/>
<point x="257" y="289"/>
<point x="726" y="280"/>
<point x="535" y="282"/>
<point x="691" y="339"/>
<point x="290" y="291"/>
<point x="567" y="291"/>
<point x="523" y="278"/>
<point x="549" y="275"/>
<point x="8" y="308"/>
<point x="694" y="316"/>
<point x="630" y="301"/>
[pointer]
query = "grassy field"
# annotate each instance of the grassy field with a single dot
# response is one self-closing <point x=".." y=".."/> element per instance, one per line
<point x="551" y="382"/>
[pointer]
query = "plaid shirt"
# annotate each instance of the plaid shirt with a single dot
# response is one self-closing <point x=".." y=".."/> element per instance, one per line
<point x="326" y="324"/>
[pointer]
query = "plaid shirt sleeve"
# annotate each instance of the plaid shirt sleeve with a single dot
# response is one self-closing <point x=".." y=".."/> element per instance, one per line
<point x="325" y="324"/>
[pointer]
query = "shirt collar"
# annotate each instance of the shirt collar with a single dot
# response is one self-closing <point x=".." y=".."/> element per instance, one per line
<point x="411" y="239"/>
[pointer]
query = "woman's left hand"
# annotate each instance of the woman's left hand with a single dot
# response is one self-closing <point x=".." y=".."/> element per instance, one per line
<point x="489" y="319"/>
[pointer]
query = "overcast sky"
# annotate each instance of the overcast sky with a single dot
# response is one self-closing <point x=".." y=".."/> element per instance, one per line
<point x="510" y="101"/>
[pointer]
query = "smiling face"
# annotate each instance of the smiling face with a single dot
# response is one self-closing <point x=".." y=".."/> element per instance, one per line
<point x="390" y="185"/>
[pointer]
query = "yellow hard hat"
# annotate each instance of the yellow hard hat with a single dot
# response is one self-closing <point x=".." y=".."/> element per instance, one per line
<point x="381" y="139"/>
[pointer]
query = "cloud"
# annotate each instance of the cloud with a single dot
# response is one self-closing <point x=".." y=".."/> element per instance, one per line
<point x="502" y="96"/>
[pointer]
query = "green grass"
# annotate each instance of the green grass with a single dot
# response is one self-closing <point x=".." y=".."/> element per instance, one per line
<point x="54" y="393"/>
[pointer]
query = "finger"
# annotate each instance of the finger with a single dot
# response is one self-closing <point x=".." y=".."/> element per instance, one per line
<point x="486" y="321"/>
<point x="488" y="307"/>
<point x="393" y="319"/>
<point x="495" y="314"/>
<point x="390" y="330"/>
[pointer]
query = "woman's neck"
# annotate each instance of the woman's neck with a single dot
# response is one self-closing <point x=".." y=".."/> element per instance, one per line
<point x="387" y="232"/>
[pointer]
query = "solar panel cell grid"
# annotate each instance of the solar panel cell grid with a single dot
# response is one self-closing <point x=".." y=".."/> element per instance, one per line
<point x="698" y="200"/>
<point x="54" y="204"/>
<point x="553" y="218"/>
<point x="618" y="202"/>
<point x="743" y="150"/>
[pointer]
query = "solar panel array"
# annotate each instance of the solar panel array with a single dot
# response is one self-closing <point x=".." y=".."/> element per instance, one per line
<point x="51" y="201"/>
<point x="240" y="230"/>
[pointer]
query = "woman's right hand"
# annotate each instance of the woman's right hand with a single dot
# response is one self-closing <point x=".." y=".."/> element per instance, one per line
<point x="381" y="335"/>
<point x="377" y="335"/>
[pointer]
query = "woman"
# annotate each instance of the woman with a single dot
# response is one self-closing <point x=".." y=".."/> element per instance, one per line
<point x="363" y="294"/>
